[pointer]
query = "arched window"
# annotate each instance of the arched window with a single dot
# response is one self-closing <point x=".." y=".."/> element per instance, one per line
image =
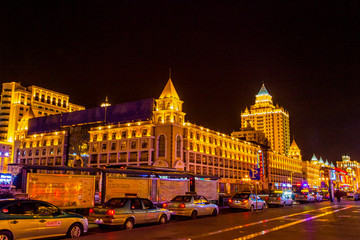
<point x="162" y="146"/>
<point x="168" y="118"/>
<point x="178" y="146"/>
<point x="159" y="119"/>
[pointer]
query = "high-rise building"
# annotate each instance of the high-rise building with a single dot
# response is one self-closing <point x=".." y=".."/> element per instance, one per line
<point x="270" y="119"/>
<point x="16" y="100"/>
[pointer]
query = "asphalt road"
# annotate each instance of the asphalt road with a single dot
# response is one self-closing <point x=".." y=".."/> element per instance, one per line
<point x="323" y="220"/>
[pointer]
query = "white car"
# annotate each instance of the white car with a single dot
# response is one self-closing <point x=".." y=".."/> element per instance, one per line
<point x="191" y="205"/>
<point x="304" y="197"/>
<point x="246" y="200"/>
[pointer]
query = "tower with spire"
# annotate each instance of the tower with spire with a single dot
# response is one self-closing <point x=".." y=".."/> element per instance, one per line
<point x="270" y="119"/>
<point x="294" y="150"/>
<point x="168" y="119"/>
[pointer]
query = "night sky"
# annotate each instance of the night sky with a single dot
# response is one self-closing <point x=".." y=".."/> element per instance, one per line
<point x="307" y="53"/>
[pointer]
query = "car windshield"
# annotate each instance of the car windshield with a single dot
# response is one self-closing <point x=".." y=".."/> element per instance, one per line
<point x="181" y="199"/>
<point x="275" y="195"/>
<point x="116" y="202"/>
<point x="242" y="196"/>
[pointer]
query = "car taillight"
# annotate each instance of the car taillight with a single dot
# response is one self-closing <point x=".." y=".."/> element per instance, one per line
<point x="296" y="195"/>
<point x="110" y="212"/>
<point x="164" y="205"/>
<point x="267" y="198"/>
<point x="91" y="210"/>
<point x="182" y="205"/>
<point x="230" y="200"/>
<point x="278" y="198"/>
<point x="245" y="201"/>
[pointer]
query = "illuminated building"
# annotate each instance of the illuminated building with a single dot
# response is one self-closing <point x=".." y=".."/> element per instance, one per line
<point x="352" y="167"/>
<point x="5" y="155"/>
<point x="284" y="170"/>
<point x="160" y="137"/>
<point x="312" y="171"/>
<point x="16" y="100"/>
<point x="154" y="132"/>
<point x="270" y="119"/>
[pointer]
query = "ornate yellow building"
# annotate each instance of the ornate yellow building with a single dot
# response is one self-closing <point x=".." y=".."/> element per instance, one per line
<point x="312" y="171"/>
<point x="161" y="137"/>
<point x="273" y="121"/>
<point x="16" y="100"/>
<point x="352" y="167"/>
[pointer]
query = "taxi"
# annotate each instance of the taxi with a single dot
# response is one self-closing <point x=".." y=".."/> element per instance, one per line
<point x="33" y="219"/>
<point x="246" y="200"/>
<point x="279" y="198"/>
<point x="191" y="205"/>
<point x="127" y="212"/>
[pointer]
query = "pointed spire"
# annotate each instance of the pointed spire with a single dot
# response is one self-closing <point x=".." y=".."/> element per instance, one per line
<point x="314" y="158"/>
<point x="263" y="91"/>
<point x="169" y="91"/>
<point x="332" y="165"/>
<point x="327" y="162"/>
<point x="321" y="160"/>
<point x="294" y="145"/>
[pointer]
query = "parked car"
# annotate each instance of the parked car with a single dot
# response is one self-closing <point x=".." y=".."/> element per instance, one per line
<point x="279" y="198"/>
<point x="191" y="205"/>
<point x="325" y="195"/>
<point x="246" y="200"/>
<point x="127" y="212"/>
<point x="318" y="197"/>
<point x="33" y="219"/>
<point x="304" y="197"/>
<point x="352" y="196"/>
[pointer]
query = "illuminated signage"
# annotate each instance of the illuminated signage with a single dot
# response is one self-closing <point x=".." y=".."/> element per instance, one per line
<point x="5" y="178"/>
<point x="332" y="175"/>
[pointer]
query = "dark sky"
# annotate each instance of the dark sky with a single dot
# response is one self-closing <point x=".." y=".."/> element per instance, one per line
<point x="307" y="53"/>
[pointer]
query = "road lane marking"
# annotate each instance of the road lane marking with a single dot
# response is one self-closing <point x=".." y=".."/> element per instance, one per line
<point x="288" y="225"/>
<point x="259" y="222"/>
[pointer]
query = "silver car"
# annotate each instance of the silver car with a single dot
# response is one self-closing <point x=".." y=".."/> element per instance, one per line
<point x="127" y="212"/>
<point x="246" y="201"/>
<point x="304" y="197"/>
<point x="191" y="205"/>
<point x="279" y="198"/>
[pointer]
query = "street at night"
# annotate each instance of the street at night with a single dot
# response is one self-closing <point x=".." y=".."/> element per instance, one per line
<point x="323" y="220"/>
<point x="178" y="119"/>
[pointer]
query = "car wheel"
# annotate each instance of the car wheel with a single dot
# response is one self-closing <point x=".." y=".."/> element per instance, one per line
<point x="6" y="235"/>
<point x="252" y="208"/>
<point x="129" y="224"/>
<point x="163" y="219"/>
<point x="284" y="204"/>
<point x="214" y="213"/>
<point x="194" y="215"/>
<point x="75" y="230"/>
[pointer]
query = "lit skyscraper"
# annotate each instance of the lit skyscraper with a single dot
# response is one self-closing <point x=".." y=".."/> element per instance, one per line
<point x="270" y="119"/>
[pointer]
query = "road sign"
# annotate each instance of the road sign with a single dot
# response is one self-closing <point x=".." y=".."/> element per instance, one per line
<point x="254" y="173"/>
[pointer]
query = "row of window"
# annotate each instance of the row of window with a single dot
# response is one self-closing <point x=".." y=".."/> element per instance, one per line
<point x="119" y="145"/>
<point x="48" y="100"/>
<point x="115" y="134"/>
<point x="45" y="142"/>
<point x="124" y="157"/>
<point x="36" y="152"/>
<point x="50" y="161"/>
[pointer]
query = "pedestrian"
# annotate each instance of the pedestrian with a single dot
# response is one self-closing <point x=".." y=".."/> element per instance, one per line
<point x="338" y="195"/>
